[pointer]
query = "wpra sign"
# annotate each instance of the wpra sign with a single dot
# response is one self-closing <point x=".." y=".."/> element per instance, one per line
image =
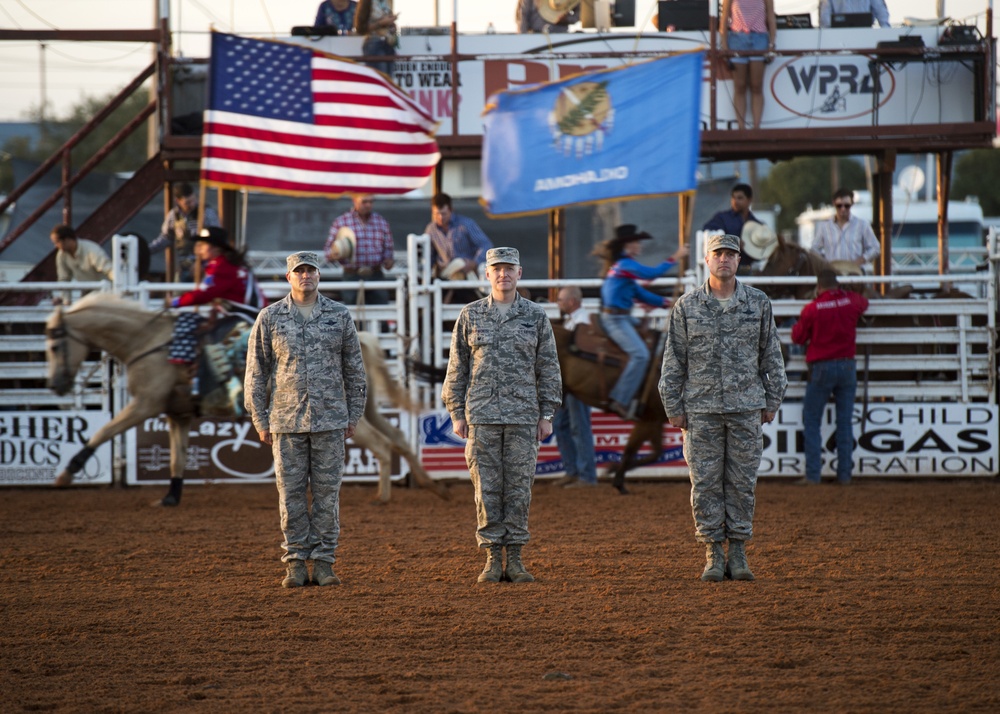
<point x="831" y="88"/>
<point x="897" y="440"/>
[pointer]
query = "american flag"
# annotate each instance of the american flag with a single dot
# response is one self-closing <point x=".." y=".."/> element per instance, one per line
<point x="286" y="119"/>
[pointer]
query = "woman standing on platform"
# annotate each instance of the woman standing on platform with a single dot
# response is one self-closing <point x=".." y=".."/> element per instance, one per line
<point x="748" y="26"/>
<point x="377" y="22"/>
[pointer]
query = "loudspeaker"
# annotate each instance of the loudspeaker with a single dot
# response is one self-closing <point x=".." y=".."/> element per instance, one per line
<point x="681" y="15"/>
<point x="623" y="14"/>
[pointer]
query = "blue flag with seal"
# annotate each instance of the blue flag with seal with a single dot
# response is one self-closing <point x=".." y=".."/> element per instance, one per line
<point x="614" y="134"/>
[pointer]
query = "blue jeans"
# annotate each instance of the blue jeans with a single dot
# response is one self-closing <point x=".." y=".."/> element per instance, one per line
<point x="575" y="439"/>
<point x="840" y="378"/>
<point x="621" y="329"/>
<point x="376" y="46"/>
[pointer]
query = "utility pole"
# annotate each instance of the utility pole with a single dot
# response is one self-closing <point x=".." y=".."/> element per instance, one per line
<point x="41" y="66"/>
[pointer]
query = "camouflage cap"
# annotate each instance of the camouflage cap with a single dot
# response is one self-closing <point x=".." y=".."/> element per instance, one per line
<point x="303" y="257"/>
<point x="503" y="255"/>
<point x="723" y="242"/>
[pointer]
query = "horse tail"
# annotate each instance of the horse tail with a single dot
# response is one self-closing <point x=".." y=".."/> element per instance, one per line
<point x="379" y="376"/>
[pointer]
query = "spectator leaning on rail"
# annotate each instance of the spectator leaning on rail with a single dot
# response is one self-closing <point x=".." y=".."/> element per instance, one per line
<point x="305" y="392"/>
<point x="876" y="7"/>
<point x="78" y="259"/>
<point x="846" y="237"/>
<point x="828" y="328"/>
<point x="371" y="247"/>
<point x="733" y="220"/>
<point x="180" y="228"/>
<point x="458" y="244"/>
<point x="723" y="377"/>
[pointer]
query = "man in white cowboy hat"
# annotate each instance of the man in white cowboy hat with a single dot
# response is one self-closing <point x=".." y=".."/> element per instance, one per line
<point x="846" y="237"/>
<point x="759" y="241"/>
<point x="459" y="245"/>
<point x="547" y="15"/>
<point x="361" y="241"/>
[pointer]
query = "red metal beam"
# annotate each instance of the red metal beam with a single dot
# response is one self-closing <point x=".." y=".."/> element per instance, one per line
<point x="82" y="35"/>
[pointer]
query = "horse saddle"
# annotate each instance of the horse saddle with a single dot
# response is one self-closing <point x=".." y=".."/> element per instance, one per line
<point x="592" y="343"/>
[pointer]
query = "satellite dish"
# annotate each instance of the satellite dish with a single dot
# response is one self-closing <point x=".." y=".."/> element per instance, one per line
<point x="911" y="180"/>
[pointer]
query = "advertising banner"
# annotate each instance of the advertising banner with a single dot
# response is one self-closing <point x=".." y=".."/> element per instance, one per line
<point x="898" y="440"/>
<point x="36" y="446"/>
<point x="843" y="87"/>
<point x="229" y="451"/>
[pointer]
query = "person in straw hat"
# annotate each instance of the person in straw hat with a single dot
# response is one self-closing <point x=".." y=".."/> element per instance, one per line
<point x="759" y="241"/>
<point x="361" y="241"/>
<point x="455" y="237"/>
<point x="548" y="16"/>
<point x="847" y="237"/>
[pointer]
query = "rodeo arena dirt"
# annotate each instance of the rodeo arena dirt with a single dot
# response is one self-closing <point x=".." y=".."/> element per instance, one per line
<point x="879" y="596"/>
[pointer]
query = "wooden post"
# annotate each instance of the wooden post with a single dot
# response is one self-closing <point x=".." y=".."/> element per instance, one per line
<point x="557" y="248"/>
<point x="944" y="159"/>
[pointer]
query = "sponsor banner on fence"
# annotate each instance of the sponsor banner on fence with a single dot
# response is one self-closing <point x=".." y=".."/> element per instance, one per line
<point x="443" y="454"/>
<point x="36" y="446"/>
<point x="918" y="439"/>
<point x="898" y="440"/>
<point x="229" y="450"/>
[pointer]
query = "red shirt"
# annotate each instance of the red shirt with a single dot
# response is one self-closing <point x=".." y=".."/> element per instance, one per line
<point x="222" y="280"/>
<point x="828" y="325"/>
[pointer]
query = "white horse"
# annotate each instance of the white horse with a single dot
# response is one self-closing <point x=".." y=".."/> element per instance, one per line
<point x="139" y="340"/>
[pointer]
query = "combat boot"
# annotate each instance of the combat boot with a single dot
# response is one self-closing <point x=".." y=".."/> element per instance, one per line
<point x="515" y="571"/>
<point x="737" y="567"/>
<point x="297" y="574"/>
<point x="494" y="565"/>
<point x="715" y="563"/>
<point x="323" y="573"/>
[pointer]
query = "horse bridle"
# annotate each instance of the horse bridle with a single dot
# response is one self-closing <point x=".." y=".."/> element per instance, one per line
<point x="60" y="335"/>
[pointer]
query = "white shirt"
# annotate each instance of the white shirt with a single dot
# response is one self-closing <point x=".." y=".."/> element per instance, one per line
<point x="90" y="263"/>
<point x="855" y="240"/>
<point x="578" y="317"/>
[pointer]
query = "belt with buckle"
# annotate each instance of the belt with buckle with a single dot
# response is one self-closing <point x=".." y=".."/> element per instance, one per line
<point x="615" y="311"/>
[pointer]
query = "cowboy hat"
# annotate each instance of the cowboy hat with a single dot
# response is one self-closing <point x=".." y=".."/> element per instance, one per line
<point x="552" y="11"/>
<point x="453" y="271"/>
<point x="343" y="245"/>
<point x="213" y="235"/>
<point x="846" y="267"/>
<point x="759" y="241"/>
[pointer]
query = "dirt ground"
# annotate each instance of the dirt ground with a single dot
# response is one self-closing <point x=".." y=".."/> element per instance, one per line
<point x="882" y="596"/>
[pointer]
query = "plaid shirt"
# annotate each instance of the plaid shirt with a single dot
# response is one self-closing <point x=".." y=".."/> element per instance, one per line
<point x="374" y="245"/>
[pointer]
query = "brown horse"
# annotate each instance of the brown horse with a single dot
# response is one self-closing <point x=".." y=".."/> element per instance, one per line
<point x="581" y="378"/>
<point x="138" y="339"/>
<point x="791" y="260"/>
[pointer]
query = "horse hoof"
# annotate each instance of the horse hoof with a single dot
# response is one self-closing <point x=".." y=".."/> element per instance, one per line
<point x="622" y="490"/>
<point x="63" y="480"/>
<point x="167" y="501"/>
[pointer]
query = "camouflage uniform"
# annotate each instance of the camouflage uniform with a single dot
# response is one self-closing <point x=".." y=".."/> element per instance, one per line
<point x="721" y="369"/>
<point x="305" y="383"/>
<point x="503" y="376"/>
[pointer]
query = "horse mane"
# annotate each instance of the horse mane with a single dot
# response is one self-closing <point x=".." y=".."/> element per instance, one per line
<point x="105" y="301"/>
<point x="378" y="373"/>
